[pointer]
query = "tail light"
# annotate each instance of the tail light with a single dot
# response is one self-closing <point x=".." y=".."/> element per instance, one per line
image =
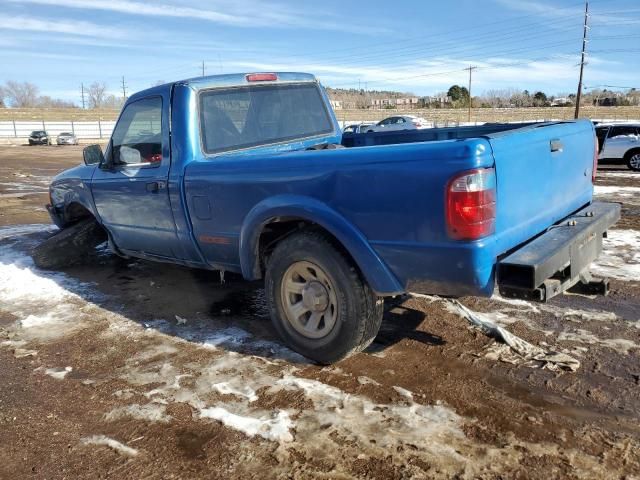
<point x="261" y="77"/>
<point x="594" y="170"/>
<point x="471" y="204"/>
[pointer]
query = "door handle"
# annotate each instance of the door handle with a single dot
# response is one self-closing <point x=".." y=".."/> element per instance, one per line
<point x="155" y="187"/>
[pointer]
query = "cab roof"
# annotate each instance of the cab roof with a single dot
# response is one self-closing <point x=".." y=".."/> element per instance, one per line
<point x="229" y="80"/>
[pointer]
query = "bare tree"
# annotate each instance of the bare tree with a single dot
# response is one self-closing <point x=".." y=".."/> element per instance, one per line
<point x="96" y="94"/>
<point x="48" y="102"/>
<point x="111" y="101"/>
<point x="20" y="94"/>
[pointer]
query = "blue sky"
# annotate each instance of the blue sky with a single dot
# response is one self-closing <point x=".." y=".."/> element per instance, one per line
<point x="419" y="46"/>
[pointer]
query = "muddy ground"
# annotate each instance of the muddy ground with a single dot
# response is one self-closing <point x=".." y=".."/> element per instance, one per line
<point x="129" y="369"/>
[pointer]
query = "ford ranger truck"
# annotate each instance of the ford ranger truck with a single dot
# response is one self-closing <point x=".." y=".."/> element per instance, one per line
<point x="249" y="173"/>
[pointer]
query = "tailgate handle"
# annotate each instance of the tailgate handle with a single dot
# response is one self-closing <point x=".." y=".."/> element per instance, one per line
<point x="556" y="145"/>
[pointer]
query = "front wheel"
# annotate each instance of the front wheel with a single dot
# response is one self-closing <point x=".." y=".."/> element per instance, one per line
<point x="633" y="160"/>
<point x="318" y="301"/>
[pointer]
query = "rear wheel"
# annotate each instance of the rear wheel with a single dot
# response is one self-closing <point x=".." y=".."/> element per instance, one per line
<point x="69" y="246"/>
<point x="319" y="303"/>
<point x="633" y="160"/>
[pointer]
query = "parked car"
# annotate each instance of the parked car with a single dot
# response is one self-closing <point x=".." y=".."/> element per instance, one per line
<point x="357" y="127"/>
<point x="39" y="137"/>
<point x="66" y="138"/>
<point x="246" y="173"/>
<point x="400" y="122"/>
<point x="619" y="144"/>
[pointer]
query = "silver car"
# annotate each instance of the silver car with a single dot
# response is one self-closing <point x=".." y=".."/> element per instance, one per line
<point x="66" y="138"/>
<point x="400" y="122"/>
<point x="619" y="143"/>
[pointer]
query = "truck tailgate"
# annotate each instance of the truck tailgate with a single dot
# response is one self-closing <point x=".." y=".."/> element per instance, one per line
<point x="543" y="174"/>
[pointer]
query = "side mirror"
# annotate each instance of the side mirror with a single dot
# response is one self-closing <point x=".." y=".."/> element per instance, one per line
<point x="92" y="155"/>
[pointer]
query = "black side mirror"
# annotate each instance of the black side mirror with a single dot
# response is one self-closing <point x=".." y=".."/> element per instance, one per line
<point x="92" y="155"/>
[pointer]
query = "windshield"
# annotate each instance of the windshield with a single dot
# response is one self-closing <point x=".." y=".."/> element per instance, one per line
<point x="235" y="118"/>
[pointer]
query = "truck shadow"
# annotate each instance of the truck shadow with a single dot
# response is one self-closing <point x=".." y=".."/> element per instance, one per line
<point x="198" y="306"/>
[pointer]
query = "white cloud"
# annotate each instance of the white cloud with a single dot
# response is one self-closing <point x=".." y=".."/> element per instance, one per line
<point x="553" y="73"/>
<point x="551" y="11"/>
<point x="240" y="13"/>
<point x="75" y="27"/>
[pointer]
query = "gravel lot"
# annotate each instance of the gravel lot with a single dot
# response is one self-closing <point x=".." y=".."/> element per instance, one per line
<point x="128" y="369"/>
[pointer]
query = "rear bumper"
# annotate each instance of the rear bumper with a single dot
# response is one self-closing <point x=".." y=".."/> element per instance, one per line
<point x="560" y="257"/>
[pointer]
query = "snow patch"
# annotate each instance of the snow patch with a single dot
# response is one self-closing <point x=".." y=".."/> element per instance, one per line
<point x="58" y="373"/>
<point x="620" y="345"/>
<point x="115" y="445"/>
<point x="620" y="257"/>
<point x="274" y="427"/>
<point x="226" y="388"/>
<point x="150" y="412"/>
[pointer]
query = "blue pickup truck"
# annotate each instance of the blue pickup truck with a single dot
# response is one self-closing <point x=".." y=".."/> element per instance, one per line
<point x="250" y="173"/>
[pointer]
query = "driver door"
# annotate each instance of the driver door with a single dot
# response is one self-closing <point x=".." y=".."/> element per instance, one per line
<point x="130" y="190"/>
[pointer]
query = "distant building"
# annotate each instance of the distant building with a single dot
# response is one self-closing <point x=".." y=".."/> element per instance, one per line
<point x="383" y="102"/>
<point x="336" y="104"/>
<point x="435" y="100"/>
<point x="561" y="102"/>
<point x="407" y="102"/>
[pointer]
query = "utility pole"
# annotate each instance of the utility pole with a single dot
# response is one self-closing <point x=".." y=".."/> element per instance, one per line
<point x="124" y="90"/>
<point x="584" y="47"/>
<point x="203" y="68"/>
<point x="471" y="69"/>
<point x="82" y="93"/>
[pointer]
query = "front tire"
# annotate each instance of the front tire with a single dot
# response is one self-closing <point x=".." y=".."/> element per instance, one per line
<point x="318" y="301"/>
<point x="633" y="160"/>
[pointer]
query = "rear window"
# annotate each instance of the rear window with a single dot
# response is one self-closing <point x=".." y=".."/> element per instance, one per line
<point x="243" y="117"/>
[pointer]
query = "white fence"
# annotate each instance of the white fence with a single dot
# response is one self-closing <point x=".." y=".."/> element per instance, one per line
<point x="22" y="129"/>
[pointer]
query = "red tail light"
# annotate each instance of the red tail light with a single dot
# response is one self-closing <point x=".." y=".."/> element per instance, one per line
<point x="594" y="170"/>
<point x="471" y="204"/>
<point x="261" y="77"/>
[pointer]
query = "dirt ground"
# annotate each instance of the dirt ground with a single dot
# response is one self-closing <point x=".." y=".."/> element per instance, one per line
<point x="129" y="369"/>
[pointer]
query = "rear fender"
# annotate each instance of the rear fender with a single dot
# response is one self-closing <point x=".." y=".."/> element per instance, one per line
<point x="377" y="274"/>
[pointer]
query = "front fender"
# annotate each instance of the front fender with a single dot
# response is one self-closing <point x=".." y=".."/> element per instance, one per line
<point x="377" y="274"/>
<point x="69" y="190"/>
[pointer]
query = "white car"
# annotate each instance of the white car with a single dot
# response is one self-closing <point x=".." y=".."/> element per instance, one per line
<point x="619" y="143"/>
<point x="400" y="122"/>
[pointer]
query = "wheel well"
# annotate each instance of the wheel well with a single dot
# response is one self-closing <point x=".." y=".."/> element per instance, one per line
<point x="280" y="228"/>
<point x="630" y="152"/>
<point x="75" y="212"/>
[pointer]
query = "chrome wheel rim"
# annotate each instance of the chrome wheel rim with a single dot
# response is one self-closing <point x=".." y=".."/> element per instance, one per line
<point x="634" y="161"/>
<point x="309" y="300"/>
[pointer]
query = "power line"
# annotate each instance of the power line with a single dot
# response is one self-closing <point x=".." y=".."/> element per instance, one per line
<point x="584" y="47"/>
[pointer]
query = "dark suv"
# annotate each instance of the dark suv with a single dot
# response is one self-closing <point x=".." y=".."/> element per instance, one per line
<point x="39" y="137"/>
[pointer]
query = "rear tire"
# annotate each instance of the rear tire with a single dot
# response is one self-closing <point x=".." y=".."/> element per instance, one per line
<point x="353" y="313"/>
<point x="632" y="160"/>
<point x="69" y="246"/>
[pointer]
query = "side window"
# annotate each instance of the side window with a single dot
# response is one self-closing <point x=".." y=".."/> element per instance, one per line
<point x="137" y="137"/>
<point x="399" y="120"/>
<point x="622" y="130"/>
<point x="386" y="121"/>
